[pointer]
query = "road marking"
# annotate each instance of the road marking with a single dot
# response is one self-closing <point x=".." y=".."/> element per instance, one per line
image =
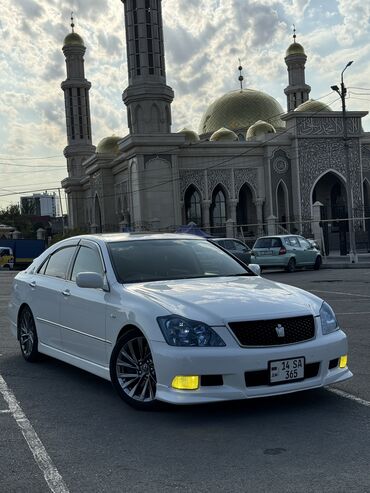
<point x="346" y="395"/>
<point x="5" y="411"/>
<point x="42" y="459"/>
<point x="339" y="292"/>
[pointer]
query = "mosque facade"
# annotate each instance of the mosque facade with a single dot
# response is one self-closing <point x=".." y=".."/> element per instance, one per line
<point x="251" y="168"/>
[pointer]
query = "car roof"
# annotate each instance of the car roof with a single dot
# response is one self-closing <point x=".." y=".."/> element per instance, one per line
<point x="280" y="236"/>
<point x="114" y="237"/>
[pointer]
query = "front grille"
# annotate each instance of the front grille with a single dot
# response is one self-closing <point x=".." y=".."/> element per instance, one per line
<point x="261" y="377"/>
<point x="265" y="332"/>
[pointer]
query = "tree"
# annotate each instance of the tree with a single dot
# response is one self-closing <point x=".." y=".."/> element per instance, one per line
<point x="11" y="216"/>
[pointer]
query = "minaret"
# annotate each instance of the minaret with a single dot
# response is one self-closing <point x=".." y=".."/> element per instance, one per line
<point x="77" y="108"/>
<point x="147" y="97"/>
<point x="297" y="91"/>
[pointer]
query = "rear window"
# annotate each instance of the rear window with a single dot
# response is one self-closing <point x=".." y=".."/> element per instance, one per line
<point x="268" y="243"/>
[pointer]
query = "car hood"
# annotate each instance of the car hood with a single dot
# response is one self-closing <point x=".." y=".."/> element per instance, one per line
<point x="220" y="300"/>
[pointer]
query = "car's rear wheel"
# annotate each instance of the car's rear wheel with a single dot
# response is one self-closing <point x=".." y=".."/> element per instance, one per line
<point x="291" y="265"/>
<point x="28" y="339"/>
<point x="317" y="263"/>
<point x="132" y="371"/>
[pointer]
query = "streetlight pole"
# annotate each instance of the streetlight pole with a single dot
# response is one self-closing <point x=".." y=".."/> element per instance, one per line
<point x="351" y="229"/>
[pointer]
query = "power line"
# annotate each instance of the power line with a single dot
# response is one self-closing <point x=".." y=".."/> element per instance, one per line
<point x="247" y="151"/>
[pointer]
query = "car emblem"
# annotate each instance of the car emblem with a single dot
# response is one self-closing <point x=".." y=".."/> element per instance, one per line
<point x="280" y="331"/>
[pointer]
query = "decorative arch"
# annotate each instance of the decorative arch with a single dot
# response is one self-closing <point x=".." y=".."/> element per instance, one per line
<point x="98" y="218"/>
<point x="219" y="208"/>
<point x="193" y="205"/>
<point x="322" y="175"/>
<point x="155" y="118"/>
<point x="282" y="203"/>
<point x="246" y="213"/>
<point x="366" y="192"/>
<point x="139" y="118"/>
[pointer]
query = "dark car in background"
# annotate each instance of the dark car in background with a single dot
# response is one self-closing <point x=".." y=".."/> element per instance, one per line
<point x="235" y="247"/>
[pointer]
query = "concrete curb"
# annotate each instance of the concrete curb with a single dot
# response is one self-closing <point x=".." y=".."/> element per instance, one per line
<point x="345" y="265"/>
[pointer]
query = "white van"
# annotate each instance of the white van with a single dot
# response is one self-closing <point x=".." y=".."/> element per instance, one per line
<point x="6" y="258"/>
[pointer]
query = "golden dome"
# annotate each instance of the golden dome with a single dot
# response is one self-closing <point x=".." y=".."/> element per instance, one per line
<point x="223" y="134"/>
<point x="238" y="110"/>
<point x="108" y="145"/>
<point x="73" y="39"/>
<point x="260" y="128"/>
<point x="295" y="49"/>
<point x="190" y="135"/>
<point x="313" y="106"/>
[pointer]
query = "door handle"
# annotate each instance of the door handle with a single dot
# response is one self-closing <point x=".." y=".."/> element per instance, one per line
<point x="66" y="292"/>
<point x="32" y="284"/>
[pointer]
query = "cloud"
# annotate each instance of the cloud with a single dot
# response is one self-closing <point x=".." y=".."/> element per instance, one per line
<point x="31" y="8"/>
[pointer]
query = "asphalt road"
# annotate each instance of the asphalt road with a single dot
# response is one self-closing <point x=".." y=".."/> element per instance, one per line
<point x="314" y="441"/>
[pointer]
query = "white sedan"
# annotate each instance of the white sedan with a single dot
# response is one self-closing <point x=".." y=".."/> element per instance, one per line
<point x="174" y="318"/>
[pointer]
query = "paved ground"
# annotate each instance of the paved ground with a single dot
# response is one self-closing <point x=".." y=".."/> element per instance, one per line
<point x="315" y="441"/>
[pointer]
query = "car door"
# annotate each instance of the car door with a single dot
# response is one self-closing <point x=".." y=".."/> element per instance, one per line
<point x="297" y="249"/>
<point x="83" y="310"/>
<point x="45" y="289"/>
<point x="309" y="252"/>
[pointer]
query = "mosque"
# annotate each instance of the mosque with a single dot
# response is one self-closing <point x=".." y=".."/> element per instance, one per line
<point x="251" y="168"/>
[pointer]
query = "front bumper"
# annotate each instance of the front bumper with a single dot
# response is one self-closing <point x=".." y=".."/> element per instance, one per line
<point x="233" y="362"/>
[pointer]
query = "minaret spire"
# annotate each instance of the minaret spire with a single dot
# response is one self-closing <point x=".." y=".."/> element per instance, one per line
<point x="147" y="97"/>
<point x="297" y="91"/>
<point x="77" y="107"/>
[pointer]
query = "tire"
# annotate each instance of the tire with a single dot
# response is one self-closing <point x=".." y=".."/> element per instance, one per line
<point x="28" y="339"/>
<point x="132" y="356"/>
<point x="291" y="265"/>
<point x="317" y="263"/>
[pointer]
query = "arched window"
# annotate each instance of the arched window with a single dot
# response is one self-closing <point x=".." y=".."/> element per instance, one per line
<point x="218" y="207"/>
<point x="193" y="209"/>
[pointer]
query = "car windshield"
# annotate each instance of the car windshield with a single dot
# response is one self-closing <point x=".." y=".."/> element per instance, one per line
<point x="156" y="260"/>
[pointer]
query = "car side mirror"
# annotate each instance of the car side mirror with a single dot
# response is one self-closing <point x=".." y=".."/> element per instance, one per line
<point x="255" y="268"/>
<point x="90" y="280"/>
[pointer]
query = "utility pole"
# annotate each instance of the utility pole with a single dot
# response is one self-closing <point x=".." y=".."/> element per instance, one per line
<point x="353" y="258"/>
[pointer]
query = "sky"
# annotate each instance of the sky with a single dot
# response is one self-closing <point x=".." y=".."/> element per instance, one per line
<point x="204" y="40"/>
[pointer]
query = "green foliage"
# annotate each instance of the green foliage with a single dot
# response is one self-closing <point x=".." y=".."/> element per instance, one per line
<point x="68" y="234"/>
<point x="11" y="216"/>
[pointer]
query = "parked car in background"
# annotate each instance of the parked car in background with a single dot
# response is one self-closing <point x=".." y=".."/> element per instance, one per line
<point x="285" y="251"/>
<point x="174" y="318"/>
<point x="236" y="247"/>
<point x="6" y="258"/>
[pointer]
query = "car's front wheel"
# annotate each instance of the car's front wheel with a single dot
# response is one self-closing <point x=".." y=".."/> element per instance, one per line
<point x="132" y="370"/>
<point x="27" y="335"/>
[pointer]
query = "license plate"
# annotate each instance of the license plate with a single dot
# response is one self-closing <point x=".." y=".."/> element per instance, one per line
<point x="285" y="370"/>
<point x="265" y="252"/>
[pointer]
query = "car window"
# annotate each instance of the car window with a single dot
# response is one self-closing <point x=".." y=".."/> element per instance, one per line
<point x="229" y="245"/>
<point x="87" y="260"/>
<point x="59" y="262"/>
<point x="268" y="243"/>
<point x="293" y="240"/>
<point x="153" y="260"/>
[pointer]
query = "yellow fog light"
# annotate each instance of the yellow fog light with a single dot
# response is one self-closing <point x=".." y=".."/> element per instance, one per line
<point x="343" y="361"/>
<point x="185" y="382"/>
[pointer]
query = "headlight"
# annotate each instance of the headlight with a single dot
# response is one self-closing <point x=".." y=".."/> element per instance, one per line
<point x="328" y="320"/>
<point x="179" y="331"/>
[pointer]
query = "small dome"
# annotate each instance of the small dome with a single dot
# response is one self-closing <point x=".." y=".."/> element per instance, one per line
<point x="108" y="145"/>
<point x="260" y="128"/>
<point x="224" y="135"/>
<point x="190" y="135"/>
<point x="73" y="39"/>
<point x="313" y="106"/>
<point x="238" y="110"/>
<point x="295" y="49"/>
